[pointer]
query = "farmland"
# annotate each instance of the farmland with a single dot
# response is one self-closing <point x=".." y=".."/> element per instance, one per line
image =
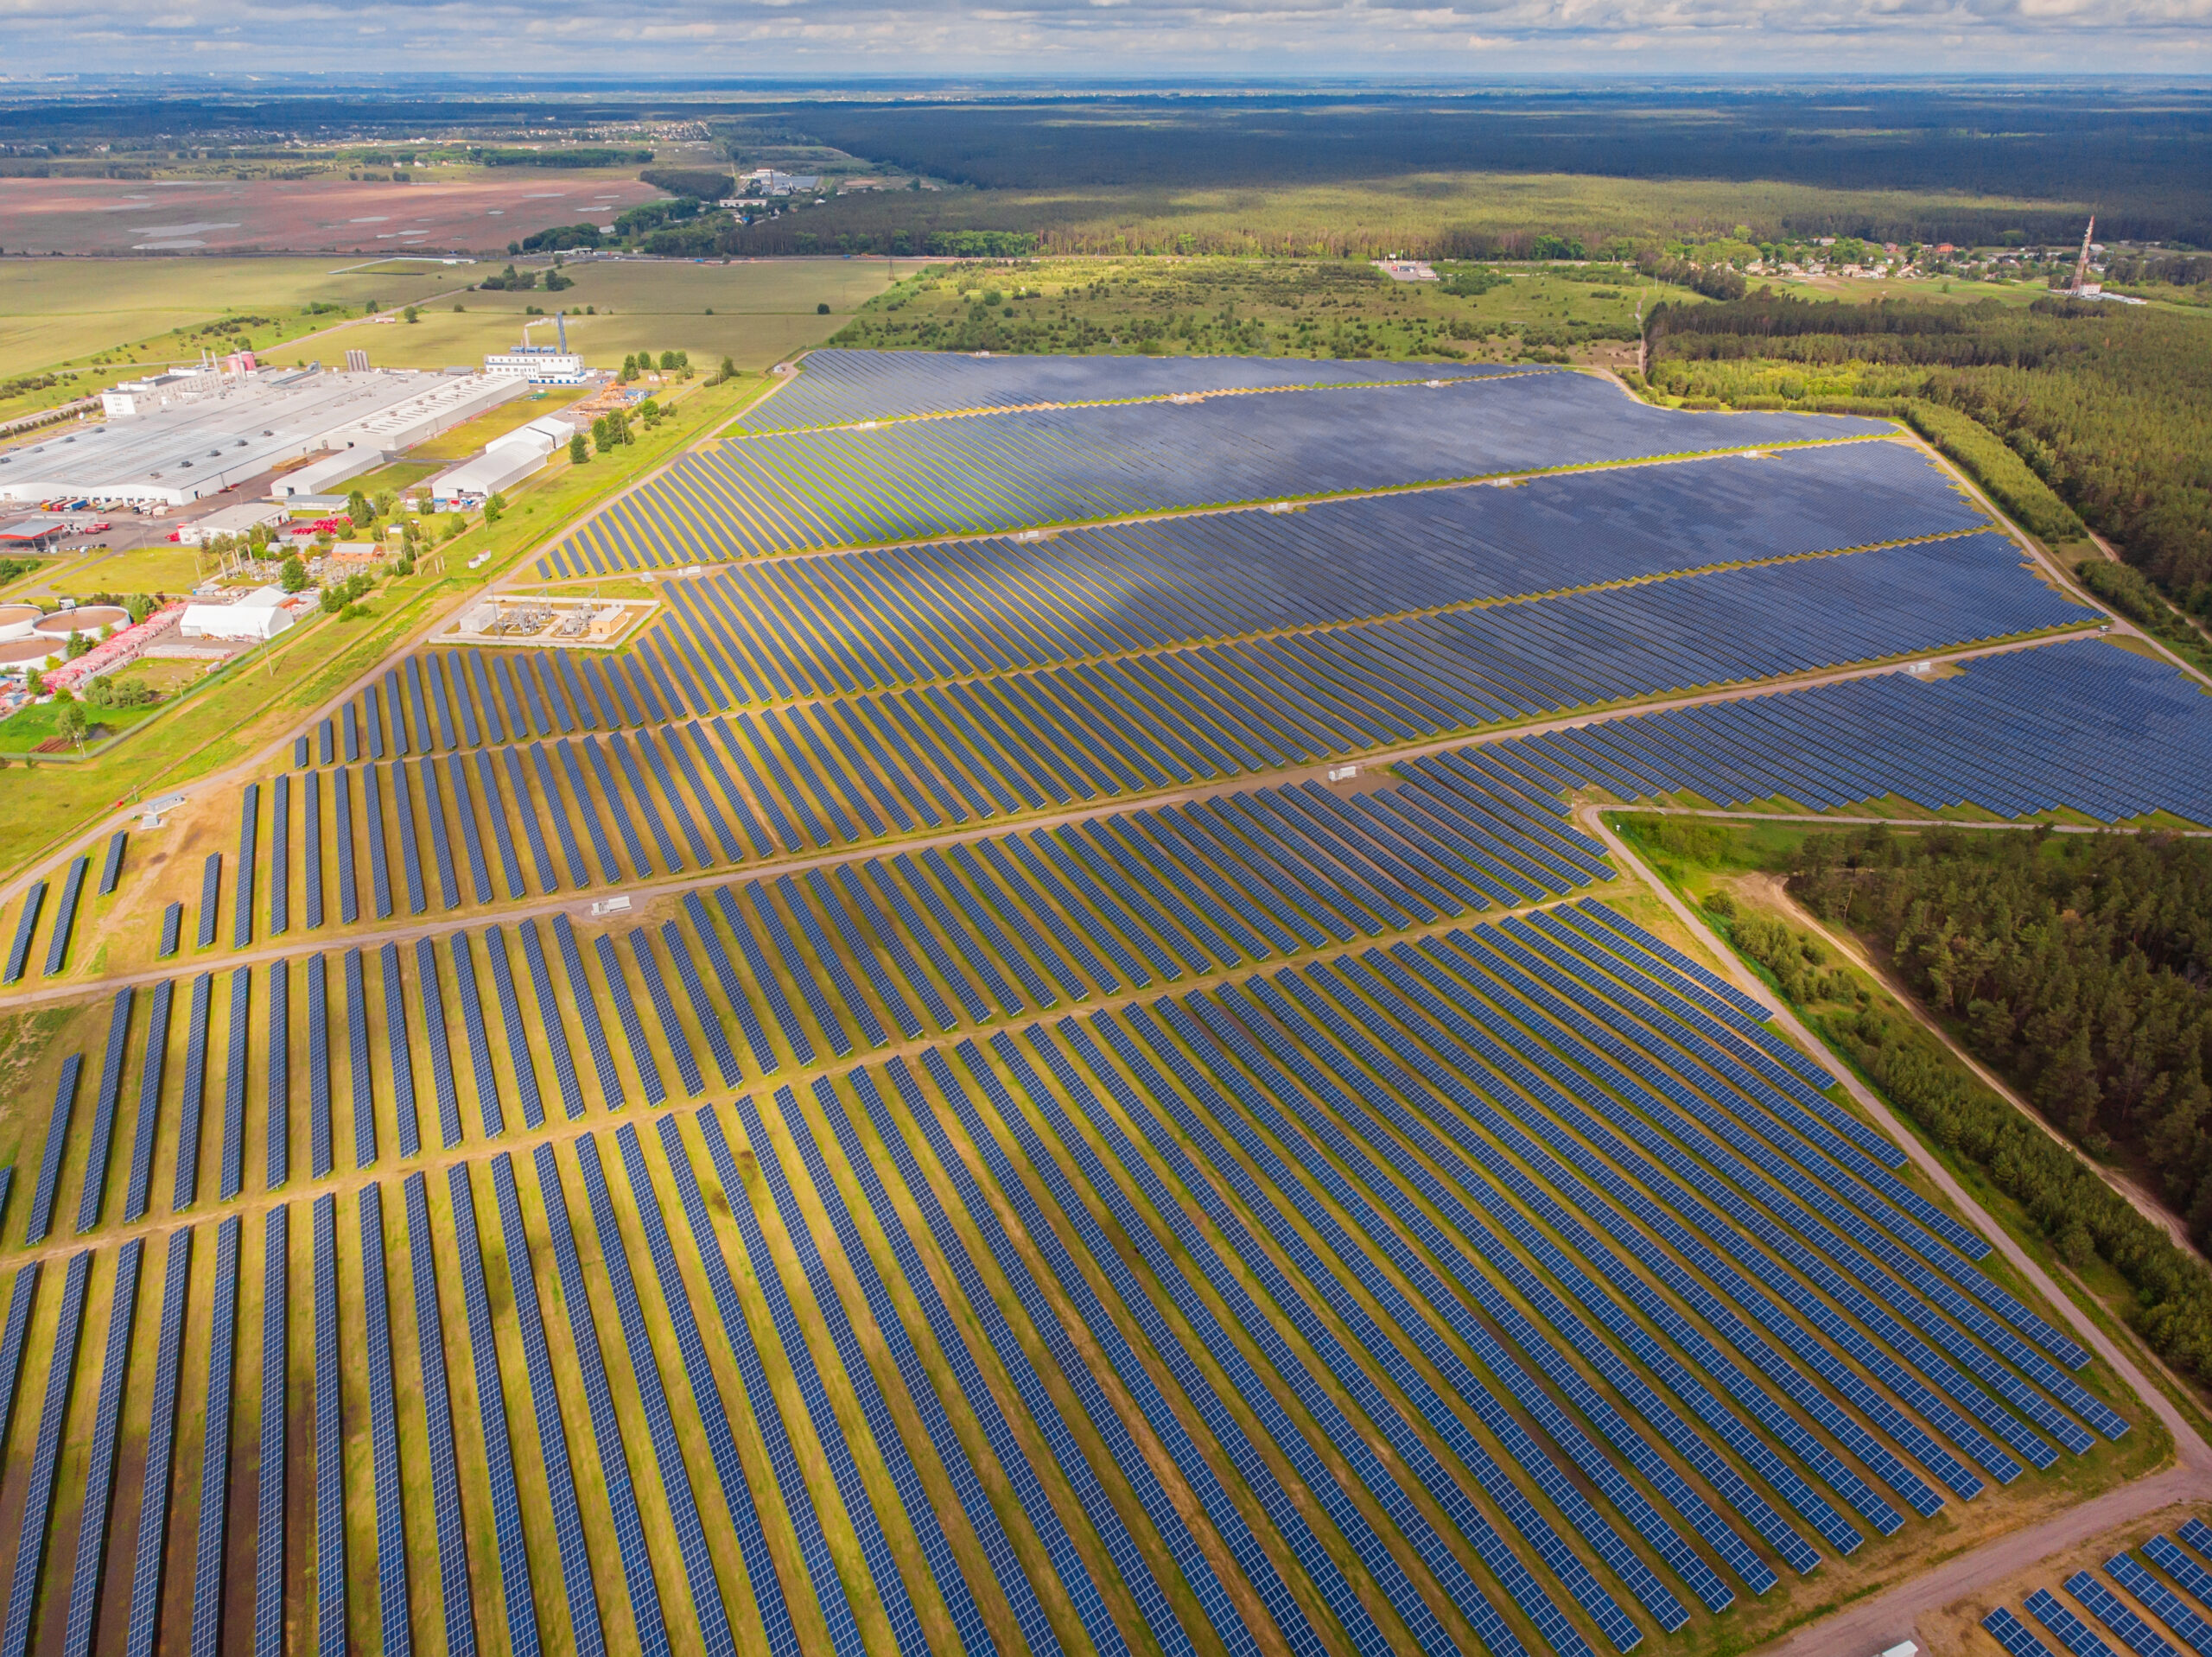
<point x="1050" y="1055"/>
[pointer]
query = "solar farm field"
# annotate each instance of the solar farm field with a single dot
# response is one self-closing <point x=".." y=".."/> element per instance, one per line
<point x="974" y="474"/>
<point x="1089" y="1093"/>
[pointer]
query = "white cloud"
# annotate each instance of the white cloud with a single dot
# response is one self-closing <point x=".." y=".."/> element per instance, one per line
<point x="884" y="37"/>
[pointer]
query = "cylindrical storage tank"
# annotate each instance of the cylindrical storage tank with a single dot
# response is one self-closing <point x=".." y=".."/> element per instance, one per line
<point x="84" y="618"/>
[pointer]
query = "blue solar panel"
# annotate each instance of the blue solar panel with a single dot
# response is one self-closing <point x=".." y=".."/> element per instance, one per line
<point x="399" y="1056"/>
<point x="2181" y="1566"/>
<point x="57" y="1142"/>
<point x="394" y="1626"/>
<point x="242" y="899"/>
<point x="488" y="783"/>
<point x="275" y="1408"/>
<point x="585" y="1000"/>
<point x="549" y="1018"/>
<point x="2107" y="1608"/>
<point x="706" y="1406"/>
<point x="208" y="1576"/>
<point x="411" y="849"/>
<point x="434" y="1021"/>
<point x="19" y="952"/>
<point x="1433" y="1291"/>
<point x="2008" y="1631"/>
<point x="680" y="1045"/>
<point x="802" y="974"/>
<point x="2163" y="1602"/>
<point x="702" y="1005"/>
<point x="2070" y="1631"/>
<point x="584" y="1628"/>
<point x="616" y="1479"/>
<point x="357" y="1062"/>
<point x="625" y="1012"/>
<point x="21" y="1299"/>
<point x="479" y="868"/>
<point x="1259" y="1570"/>
<point x="379" y="858"/>
<point x="454" y="1592"/>
<point x="152" y="1550"/>
<point x="1389" y="1358"/>
<point x="982" y="1405"/>
<point x="94" y="1193"/>
<point x="481" y="1061"/>
<point x="525" y="807"/>
<point x="441" y="838"/>
<point x="280" y="858"/>
<point x="72" y="889"/>
<point x="155" y="1046"/>
<point x="509" y="1540"/>
<point x="112" y="865"/>
<point x="330" y="1438"/>
<point x="767" y="1414"/>
<point x="96" y="1508"/>
<point x="319" y="1135"/>
<point x="1484" y="1036"/>
<point x="341" y="826"/>
<point x="732" y="989"/>
<point x="38" y="1497"/>
<point x="520" y="1065"/>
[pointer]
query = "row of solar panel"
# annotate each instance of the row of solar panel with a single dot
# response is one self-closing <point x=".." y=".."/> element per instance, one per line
<point x="994" y="472"/>
<point x="2082" y="727"/>
<point x="1233" y="1038"/>
<point x="449" y="700"/>
<point x="2170" y="1612"/>
<point x="841" y="623"/>
<point x="833" y="387"/>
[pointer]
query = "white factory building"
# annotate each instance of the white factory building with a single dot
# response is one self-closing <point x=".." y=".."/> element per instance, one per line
<point x="504" y="462"/>
<point x="184" y="437"/>
<point x="539" y="365"/>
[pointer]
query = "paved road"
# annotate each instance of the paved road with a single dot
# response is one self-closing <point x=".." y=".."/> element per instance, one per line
<point x="1874" y="1624"/>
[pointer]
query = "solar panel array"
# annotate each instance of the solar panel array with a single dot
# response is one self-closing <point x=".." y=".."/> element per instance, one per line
<point x="923" y="479"/>
<point x="65" y="917"/>
<point x="210" y="1553"/>
<point x="2084" y="727"/>
<point x="1311" y="1231"/>
<point x="832" y="387"/>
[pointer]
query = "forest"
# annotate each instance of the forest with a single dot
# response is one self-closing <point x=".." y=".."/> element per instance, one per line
<point x="2077" y="965"/>
<point x="2147" y="160"/>
<point x="2072" y="965"/>
<point x="2109" y="405"/>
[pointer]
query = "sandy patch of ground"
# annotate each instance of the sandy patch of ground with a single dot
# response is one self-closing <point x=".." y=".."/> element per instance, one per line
<point x="469" y="213"/>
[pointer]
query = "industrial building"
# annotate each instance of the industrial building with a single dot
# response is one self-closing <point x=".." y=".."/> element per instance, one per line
<point x="261" y="614"/>
<point x="504" y="462"/>
<point x="179" y="438"/>
<point x="539" y="365"/>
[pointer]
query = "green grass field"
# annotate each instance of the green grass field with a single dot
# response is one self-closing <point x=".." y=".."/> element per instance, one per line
<point x="754" y="314"/>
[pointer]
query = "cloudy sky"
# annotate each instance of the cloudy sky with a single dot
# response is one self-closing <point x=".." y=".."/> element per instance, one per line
<point x="1086" y="38"/>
